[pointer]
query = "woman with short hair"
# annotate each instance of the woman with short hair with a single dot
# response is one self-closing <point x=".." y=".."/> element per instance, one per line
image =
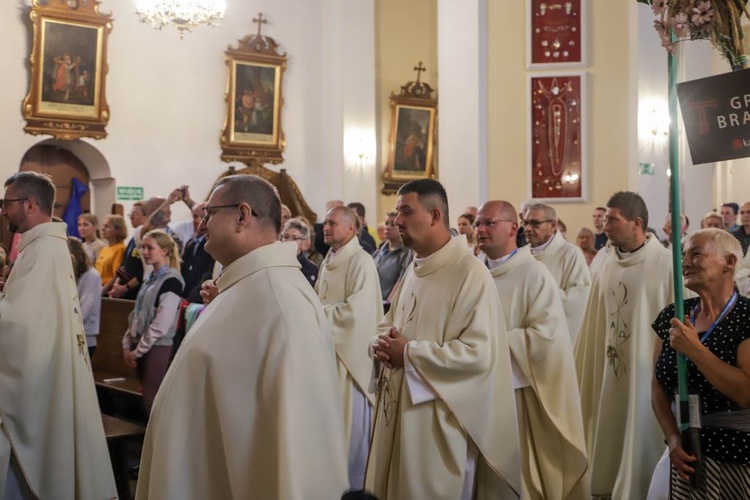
<point x="114" y="231"/>
<point x="714" y="337"/>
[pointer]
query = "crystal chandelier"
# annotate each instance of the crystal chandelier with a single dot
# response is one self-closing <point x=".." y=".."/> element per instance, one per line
<point x="183" y="14"/>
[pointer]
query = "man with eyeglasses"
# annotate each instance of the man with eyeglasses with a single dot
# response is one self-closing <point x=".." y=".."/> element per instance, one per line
<point x="546" y="389"/>
<point x="564" y="260"/>
<point x="445" y="420"/>
<point x="297" y="230"/>
<point x="349" y="290"/>
<point x="52" y="443"/>
<point x="614" y="353"/>
<point x="250" y="400"/>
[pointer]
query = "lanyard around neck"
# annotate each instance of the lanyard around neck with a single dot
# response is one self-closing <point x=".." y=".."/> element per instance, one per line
<point x="724" y="312"/>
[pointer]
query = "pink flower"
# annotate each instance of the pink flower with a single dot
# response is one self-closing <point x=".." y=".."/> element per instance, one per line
<point x="658" y="7"/>
<point x="663" y="32"/>
<point x="681" y="28"/>
<point x="703" y="13"/>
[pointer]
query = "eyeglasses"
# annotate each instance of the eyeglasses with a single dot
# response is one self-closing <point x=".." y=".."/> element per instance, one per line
<point x="10" y="200"/>
<point x="489" y="223"/>
<point x="535" y="223"/>
<point x="209" y="211"/>
<point x="289" y="237"/>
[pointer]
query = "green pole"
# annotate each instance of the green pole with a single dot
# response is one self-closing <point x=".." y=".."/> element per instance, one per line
<point x="674" y="193"/>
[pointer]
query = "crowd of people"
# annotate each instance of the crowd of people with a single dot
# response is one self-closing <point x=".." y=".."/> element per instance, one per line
<point x="495" y="360"/>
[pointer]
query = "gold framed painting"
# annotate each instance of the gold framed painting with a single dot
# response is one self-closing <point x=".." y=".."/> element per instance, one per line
<point x="253" y="131"/>
<point x="67" y="93"/>
<point x="412" y="136"/>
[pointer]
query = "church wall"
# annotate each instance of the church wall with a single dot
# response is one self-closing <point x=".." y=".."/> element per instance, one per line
<point x="166" y="96"/>
<point x="406" y="33"/>
<point x="609" y="121"/>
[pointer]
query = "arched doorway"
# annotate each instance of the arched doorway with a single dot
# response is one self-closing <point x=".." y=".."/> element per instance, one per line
<point x="62" y="161"/>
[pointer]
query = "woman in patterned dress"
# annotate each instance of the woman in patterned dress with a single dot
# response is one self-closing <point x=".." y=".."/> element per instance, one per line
<point x="713" y="336"/>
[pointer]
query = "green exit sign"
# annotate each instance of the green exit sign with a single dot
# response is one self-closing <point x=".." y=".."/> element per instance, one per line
<point x="129" y="193"/>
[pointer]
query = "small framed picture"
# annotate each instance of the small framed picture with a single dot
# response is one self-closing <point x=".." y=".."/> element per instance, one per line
<point x="556" y="33"/>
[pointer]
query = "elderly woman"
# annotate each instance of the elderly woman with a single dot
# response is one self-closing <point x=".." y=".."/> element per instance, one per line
<point x="586" y="241"/>
<point x="298" y="231"/>
<point x="713" y="336"/>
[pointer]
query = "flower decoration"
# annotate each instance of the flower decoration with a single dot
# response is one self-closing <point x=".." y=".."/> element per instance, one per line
<point x="714" y="20"/>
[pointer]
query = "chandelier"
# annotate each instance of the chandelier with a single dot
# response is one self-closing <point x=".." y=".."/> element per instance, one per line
<point x="183" y="14"/>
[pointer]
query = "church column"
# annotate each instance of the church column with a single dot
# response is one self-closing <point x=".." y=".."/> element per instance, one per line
<point x="349" y="96"/>
<point x="462" y="102"/>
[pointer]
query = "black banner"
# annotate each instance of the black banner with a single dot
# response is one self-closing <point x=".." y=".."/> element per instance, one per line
<point x="716" y="114"/>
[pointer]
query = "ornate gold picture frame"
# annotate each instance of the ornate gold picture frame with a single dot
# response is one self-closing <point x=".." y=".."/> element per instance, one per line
<point x="412" y="135"/>
<point x="67" y="97"/>
<point x="254" y="99"/>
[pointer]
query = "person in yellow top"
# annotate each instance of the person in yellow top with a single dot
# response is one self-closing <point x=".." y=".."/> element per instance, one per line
<point x="110" y="257"/>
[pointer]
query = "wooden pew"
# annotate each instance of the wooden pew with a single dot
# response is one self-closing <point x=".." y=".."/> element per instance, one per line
<point x="119" y="431"/>
<point x="110" y="370"/>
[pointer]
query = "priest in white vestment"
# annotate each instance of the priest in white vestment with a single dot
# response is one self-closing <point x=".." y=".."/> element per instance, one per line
<point x="553" y="449"/>
<point x="445" y="419"/>
<point x="349" y="289"/>
<point x="614" y="353"/>
<point x="563" y="259"/>
<point x="249" y="407"/>
<point x="52" y="443"/>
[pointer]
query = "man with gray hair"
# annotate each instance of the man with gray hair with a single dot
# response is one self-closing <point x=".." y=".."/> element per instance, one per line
<point x="349" y="289"/>
<point x="614" y="354"/>
<point x="563" y="259"/>
<point x="237" y="399"/>
<point x="52" y="443"/>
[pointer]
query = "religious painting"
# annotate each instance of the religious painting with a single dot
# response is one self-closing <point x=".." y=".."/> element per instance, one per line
<point x="556" y="33"/>
<point x="66" y="98"/>
<point x="413" y="128"/>
<point x="557" y="148"/>
<point x="412" y="135"/>
<point x="252" y="125"/>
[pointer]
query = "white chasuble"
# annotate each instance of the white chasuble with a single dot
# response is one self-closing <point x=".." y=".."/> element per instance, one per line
<point x="614" y="363"/>
<point x="349" y="289"/>
<point x="249" y="407"/>
<point x="568" y="266"/>
<point x="553" y="449"/>
<point x="48" y="406"/>
<point x="449" y="310"/>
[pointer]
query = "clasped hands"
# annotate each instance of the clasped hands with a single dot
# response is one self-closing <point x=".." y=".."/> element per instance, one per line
<point x="388" y="348"/>
<point x="130" y="358"/>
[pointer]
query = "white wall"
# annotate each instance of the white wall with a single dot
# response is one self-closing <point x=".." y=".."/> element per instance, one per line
<point x="166" y="96"/>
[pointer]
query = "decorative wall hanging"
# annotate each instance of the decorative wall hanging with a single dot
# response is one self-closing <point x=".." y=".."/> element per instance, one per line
<point x="557" y="151"/>
<point x="412" y="137"/>
<point x="254" y="99"/>
<point x="66" y="97"/>
<point x="556" y="33"/>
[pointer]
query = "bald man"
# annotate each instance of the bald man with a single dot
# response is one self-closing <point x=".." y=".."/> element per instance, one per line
<point x="563" y="259"/>
<point x="553" y="448"/>
<point x="349" y="289"/>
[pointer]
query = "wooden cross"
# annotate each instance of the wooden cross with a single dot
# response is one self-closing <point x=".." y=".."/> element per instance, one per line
<point x="419" y="70"/>
<point x="260" y="21"/>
